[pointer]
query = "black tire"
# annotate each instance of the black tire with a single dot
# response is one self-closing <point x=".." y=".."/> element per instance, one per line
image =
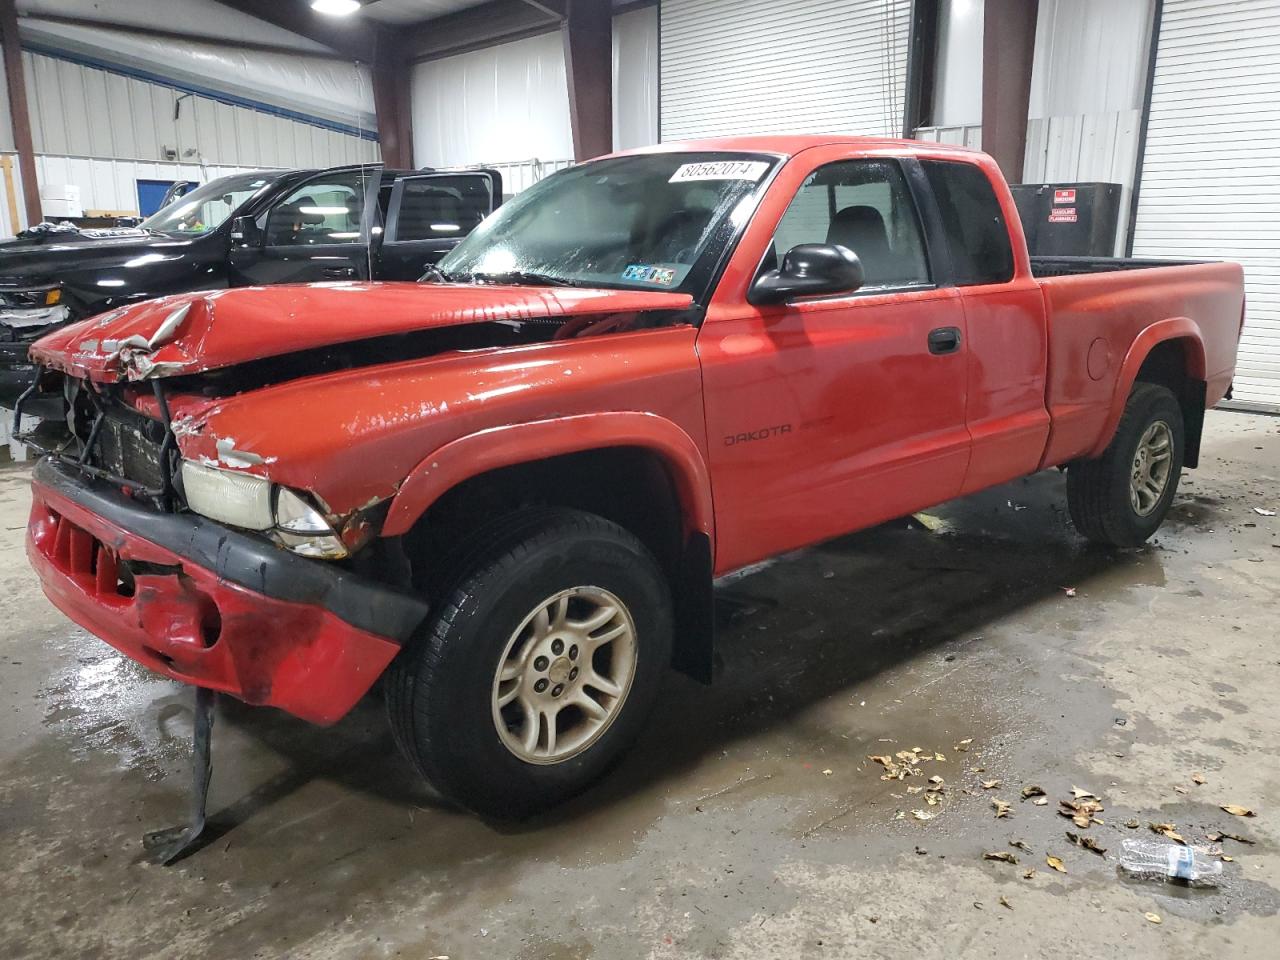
<point x="1098" y="491"/>
<point x="440" y="687"/>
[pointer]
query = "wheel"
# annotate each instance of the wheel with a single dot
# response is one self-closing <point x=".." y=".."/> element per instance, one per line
<point x="1122" y="497"/>
<point x="537" y="670"/>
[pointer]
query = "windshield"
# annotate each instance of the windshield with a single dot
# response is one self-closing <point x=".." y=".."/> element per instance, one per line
<point x="654" y="221"/>
<point x="206" y="208"/>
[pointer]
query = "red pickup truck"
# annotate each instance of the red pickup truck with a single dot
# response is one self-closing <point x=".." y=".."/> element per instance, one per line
<point x="507" y="489"/>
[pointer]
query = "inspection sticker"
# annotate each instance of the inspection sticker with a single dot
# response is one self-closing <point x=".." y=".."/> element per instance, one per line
<point x="663" y="276"/>
<point x="720" y="170"/>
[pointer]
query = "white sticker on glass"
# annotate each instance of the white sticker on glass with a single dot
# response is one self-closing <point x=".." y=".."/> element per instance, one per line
<point x="720" y="170"/>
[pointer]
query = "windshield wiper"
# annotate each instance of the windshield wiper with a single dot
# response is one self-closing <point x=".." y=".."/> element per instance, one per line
<point x="522" y="277"/>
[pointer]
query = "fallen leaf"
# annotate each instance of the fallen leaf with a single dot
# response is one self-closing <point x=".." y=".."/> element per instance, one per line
<point x="1056" y="864"/>
<point x="939" y="757"/>
<point x="936" y="781"/>
<point x="1132" y="824"/>
<point x="883" y="761"/>
<point x="963" y="745"/>
<point x="1031" y="791"/>
<point x="1264" y="512"/>
<point x="1002" y="855"/>
<point x="1081" y="794"/>
<point x="914" y="790"/>
<point x="827" y="772"/>
<point x="1029" y="874"/>
<point x="1081" y="812"/>
<point x="932" y="799"/>
<point x="1041" y="801"/>
<point x="923" y="814"/>
<point x="1002" y="808"/>
<point x="1020" y="844"/>
<point x="1153" y="917"/>
<point x="1005" y="903"/>
<point x="899" y="815"/>
<point x="1227" y="859"/>
<point x="990" y="784"/>
<point x="1088" y="843"/>
<point x="1236" y="811"/>
<point x="1167" y="830"/>
<point x="1198" y="779"/>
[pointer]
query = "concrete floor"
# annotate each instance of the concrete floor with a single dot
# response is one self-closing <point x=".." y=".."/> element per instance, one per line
<point x="750" y="823"/>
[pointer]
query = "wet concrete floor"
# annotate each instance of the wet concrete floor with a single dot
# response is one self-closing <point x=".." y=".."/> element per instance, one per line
<point x="750" y="822"/>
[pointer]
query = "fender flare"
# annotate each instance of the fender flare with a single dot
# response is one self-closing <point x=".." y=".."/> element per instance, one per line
<point x="512" y="444"/>
<point x="1173" y="328"/>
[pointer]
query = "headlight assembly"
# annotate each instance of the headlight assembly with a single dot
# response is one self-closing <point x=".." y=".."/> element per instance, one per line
<point x="252" y="503"/>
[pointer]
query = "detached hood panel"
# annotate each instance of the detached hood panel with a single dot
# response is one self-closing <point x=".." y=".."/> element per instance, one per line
<point x="193" y="332"/>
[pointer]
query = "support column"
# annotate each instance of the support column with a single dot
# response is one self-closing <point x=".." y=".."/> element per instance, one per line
<point x="391" y="73"/>
<point x="16" y="79"/>
<point x="1008" y="47"/>
<point x="588" y="60"/>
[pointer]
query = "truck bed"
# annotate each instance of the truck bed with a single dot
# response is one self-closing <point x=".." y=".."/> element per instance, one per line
<point x="1097" y="309"/>
<point x="1073" y="266"/>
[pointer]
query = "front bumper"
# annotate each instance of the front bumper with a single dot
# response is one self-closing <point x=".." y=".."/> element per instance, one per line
<point x="210" y="606"/>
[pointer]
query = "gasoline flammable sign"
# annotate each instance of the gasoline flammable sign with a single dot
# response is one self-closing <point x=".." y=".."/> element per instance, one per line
<point x="1062" y="215"/>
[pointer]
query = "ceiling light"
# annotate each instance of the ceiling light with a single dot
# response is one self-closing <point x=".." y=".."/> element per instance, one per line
<point x="335" y="8"/>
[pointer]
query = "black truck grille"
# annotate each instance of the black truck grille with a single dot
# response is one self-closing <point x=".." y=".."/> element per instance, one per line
<point x="125" y="449"/>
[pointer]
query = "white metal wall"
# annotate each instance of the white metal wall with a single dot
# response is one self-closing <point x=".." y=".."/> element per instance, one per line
<point x="809" y="66"/>
<point x="502" y="104"/>
<point x="957" y="89"/>
<point x="86" y="112"/>
<point x="1211" y="175"/>
<point x="635" y="78"/>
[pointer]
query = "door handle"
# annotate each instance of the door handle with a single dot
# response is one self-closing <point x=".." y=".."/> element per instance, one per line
<point x="944" y="340"/>
<point x="338" y="273"/>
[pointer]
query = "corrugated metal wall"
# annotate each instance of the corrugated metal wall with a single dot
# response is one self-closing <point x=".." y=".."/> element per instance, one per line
<point x="1211" y="175"/>
<point x="82" y="111"/>
<point x="734" y="67"/>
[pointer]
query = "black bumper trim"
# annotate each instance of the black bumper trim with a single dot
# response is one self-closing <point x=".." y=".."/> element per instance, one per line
<point x="245" y="560"/>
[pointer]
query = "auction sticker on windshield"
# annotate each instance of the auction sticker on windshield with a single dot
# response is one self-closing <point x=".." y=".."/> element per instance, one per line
<point x="720" y="170"/>
<point x="663" y="276"/>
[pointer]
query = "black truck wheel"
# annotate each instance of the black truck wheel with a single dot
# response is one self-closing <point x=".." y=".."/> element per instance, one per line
<point x="1122" y="497"/>
<point x="536" y="671"/>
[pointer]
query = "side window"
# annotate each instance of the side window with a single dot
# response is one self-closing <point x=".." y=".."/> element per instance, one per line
<point x="442" y="208"/>
<point x="323" y="211"/>
<point x="863" y="205"/>
<point x="974" y="223"/>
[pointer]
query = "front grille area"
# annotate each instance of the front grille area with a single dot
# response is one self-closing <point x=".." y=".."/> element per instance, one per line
<point x="84" y="558"/>
<point x="125" y="447"/>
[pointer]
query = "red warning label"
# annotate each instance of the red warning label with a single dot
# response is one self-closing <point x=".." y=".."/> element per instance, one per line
<point x="1064" y="196"/>
<point x="1063" y="215"/>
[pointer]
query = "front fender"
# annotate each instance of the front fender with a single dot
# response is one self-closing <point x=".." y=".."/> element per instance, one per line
<point x="1174" y="328"/>
<point x="516" y="443"/>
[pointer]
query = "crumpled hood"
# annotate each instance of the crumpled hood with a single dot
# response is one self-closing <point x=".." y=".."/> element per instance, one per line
<point x="193" y="332"/>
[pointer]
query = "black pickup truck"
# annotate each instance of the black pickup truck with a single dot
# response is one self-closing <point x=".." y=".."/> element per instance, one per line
<point x="273" y="226"/>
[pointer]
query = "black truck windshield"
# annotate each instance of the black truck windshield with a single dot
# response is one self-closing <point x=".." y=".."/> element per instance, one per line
<point x="207" y="207"/>
<point x="646" y="221"/>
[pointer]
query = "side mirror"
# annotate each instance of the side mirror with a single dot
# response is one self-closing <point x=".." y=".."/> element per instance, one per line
<point x="245" y="232"/>
<point x="809" y="270"/>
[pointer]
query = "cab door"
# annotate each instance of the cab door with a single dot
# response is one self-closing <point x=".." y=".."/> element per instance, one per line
<point x="319" y="230"/>
<point x="829" y="414"/>
<point x="428" y="215"/>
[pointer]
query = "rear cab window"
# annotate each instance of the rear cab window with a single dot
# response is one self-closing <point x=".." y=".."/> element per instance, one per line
<point x="973" y="222"/>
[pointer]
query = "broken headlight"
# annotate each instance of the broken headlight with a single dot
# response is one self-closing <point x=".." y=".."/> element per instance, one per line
<point x="253" y="503"/>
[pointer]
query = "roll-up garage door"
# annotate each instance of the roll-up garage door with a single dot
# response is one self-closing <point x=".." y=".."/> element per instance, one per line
<point x="733" y="67"/>
<point x="1211" y="176"/>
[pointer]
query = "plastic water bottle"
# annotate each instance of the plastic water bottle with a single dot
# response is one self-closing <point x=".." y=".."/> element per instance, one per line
<point x="1153" y="860"/>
